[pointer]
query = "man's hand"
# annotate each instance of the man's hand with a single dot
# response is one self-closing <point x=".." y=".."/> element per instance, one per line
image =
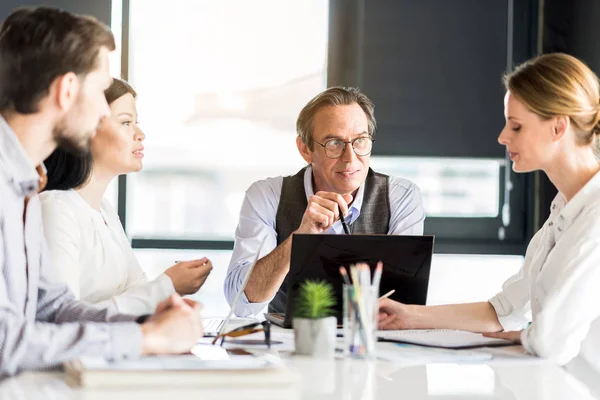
<point x="393" y="315"/>
<point x="189" y="276"/>
<point x="174" y="301"/>
<point x="174" y="328"/>
<point x="513" y="336"/>
<point x="323" y="210"/>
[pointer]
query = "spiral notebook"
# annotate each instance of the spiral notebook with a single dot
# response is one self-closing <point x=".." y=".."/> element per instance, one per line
<point x="445" y="338"/>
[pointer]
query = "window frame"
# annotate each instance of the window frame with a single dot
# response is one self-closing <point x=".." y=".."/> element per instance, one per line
<point x="453" y="235"/>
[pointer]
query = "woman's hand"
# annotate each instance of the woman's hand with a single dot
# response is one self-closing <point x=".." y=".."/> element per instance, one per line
<point x="189" y="276"/>
<point x="393" y="315"/>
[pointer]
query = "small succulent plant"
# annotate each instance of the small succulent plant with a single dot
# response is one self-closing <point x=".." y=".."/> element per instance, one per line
<point x="316" y="299"/>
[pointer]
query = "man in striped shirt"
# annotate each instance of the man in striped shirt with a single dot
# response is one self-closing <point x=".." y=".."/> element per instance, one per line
<point x="53" y="73"/>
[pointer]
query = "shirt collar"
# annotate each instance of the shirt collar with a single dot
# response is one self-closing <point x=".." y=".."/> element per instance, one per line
<point x="20" y="171"/>
<point x="356" y="206"/>
<point x="585" y="196"/>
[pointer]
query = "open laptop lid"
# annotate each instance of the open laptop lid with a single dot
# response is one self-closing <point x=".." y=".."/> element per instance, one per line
<point x="238" y="295"/>
<point x="406" y="264"/>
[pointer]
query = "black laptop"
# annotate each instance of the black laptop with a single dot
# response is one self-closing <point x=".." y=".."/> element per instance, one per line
<point x="406" y="266"/>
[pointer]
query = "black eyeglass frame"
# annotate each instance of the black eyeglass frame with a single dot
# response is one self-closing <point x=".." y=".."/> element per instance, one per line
<point x="345" y="144"/>
<point x="266" y="328"/>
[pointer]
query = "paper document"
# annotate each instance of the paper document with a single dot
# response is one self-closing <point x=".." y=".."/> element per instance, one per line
<point x="446" y="338"/>
<point x="414" y="354"/>
<point x="177" y="363"/>
<point x="179" y="371"/>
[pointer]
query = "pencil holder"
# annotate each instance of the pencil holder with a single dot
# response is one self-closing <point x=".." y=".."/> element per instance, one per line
<point x="360" y="316"/>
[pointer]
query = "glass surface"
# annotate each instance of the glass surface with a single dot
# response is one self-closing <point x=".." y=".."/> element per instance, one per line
<point x="219" y="94"/>
<point x="450" y="187"/>
<point x="360" y="315"/>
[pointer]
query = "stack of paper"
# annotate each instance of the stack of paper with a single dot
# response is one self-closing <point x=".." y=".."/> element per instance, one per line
<point x="446" y="338"/>
<point x="418" y="355"/>
<point x="182" y="370"/>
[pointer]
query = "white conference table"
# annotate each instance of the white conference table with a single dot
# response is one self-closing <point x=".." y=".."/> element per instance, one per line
<point x="504" y="377"/>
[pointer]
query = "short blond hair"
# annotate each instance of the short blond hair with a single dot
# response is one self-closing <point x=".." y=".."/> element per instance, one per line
<point x="334" y="96"/>
<point x="558" y="84"/>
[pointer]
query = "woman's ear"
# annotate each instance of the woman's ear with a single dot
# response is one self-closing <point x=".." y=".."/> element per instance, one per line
<point x="560" y="126"/>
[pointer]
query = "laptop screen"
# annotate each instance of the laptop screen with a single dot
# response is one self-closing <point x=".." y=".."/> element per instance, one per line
<point x="406" y="263"/>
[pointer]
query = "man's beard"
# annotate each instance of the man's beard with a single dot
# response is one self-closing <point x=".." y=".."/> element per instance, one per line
<point x="77" y="145"/>
<point x="65" y="137"/>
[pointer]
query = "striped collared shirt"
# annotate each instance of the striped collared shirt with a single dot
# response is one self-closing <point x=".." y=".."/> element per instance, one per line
<point x="41" y="324"/>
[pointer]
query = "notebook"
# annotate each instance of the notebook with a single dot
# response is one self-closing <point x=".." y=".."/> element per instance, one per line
<point x="446" y="338"/>
<point x="410" y="353"/>
<point x="177" y="371"/>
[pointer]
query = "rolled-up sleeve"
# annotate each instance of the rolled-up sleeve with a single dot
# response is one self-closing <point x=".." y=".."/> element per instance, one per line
<point x="513" y="303"/>
<point x="257" y="221"/>
<point x="571" y="306"/>
<point x="233" y="283"/>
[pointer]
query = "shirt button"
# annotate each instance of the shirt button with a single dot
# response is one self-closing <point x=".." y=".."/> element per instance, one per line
<point x="553" y="206"/>
<point x="551" y="223"/>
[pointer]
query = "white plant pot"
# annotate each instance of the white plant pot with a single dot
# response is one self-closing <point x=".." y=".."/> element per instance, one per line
<point x="315" y="337"/>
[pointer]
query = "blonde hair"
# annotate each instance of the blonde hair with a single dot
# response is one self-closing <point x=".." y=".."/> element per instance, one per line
<point x="558" y="84"/>
<point x="334" y="96"/>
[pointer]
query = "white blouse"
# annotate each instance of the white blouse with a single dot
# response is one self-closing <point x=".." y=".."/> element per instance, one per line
<point x="95" y="257"/>
<point x="559" y="283"/>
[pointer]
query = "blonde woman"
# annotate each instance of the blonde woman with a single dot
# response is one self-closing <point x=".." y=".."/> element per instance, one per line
<point x="86" y="240"/>
<point x="552" y="112"/>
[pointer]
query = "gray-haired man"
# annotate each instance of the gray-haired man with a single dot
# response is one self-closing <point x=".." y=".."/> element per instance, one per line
<point x="335" y="137"/>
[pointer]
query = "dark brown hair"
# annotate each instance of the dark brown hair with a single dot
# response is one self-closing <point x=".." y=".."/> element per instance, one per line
<point x="334" y="96"/>
<point x="118" y="88"/>
<point x="66" y="171"/>
<point x="38" y="45"/>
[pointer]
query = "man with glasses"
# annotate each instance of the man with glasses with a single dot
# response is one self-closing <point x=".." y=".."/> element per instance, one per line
<point x="336" y="132"/>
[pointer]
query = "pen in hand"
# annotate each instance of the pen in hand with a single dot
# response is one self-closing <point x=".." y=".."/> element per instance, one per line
<point x="343" y="221"/>
<point x="388" y="294"/>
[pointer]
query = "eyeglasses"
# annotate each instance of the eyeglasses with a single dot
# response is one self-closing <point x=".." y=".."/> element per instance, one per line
<point x="254" y="327"/>
<point x="334" y="148"/>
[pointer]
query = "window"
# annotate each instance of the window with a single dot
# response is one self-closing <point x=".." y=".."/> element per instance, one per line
<point x="450" y="187"/>
<point x="219" y="92"/>
<point x="226" y="117"/>
<point x="155" y="262"/>
<point x="433" y="68"/>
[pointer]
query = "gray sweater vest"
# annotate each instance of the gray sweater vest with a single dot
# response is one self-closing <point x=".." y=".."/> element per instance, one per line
<point x="374" y="215"/>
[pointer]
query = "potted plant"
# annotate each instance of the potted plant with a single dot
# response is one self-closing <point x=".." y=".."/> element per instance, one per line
<point x="314" y="320"/>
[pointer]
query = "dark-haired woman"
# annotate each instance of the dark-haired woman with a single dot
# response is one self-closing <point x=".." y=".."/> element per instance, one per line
<point x="88" y="245"/>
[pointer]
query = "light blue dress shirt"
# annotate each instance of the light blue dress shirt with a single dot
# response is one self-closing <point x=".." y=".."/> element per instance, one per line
<point x="41" y="324"/>
<point x="257" y="220"/>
